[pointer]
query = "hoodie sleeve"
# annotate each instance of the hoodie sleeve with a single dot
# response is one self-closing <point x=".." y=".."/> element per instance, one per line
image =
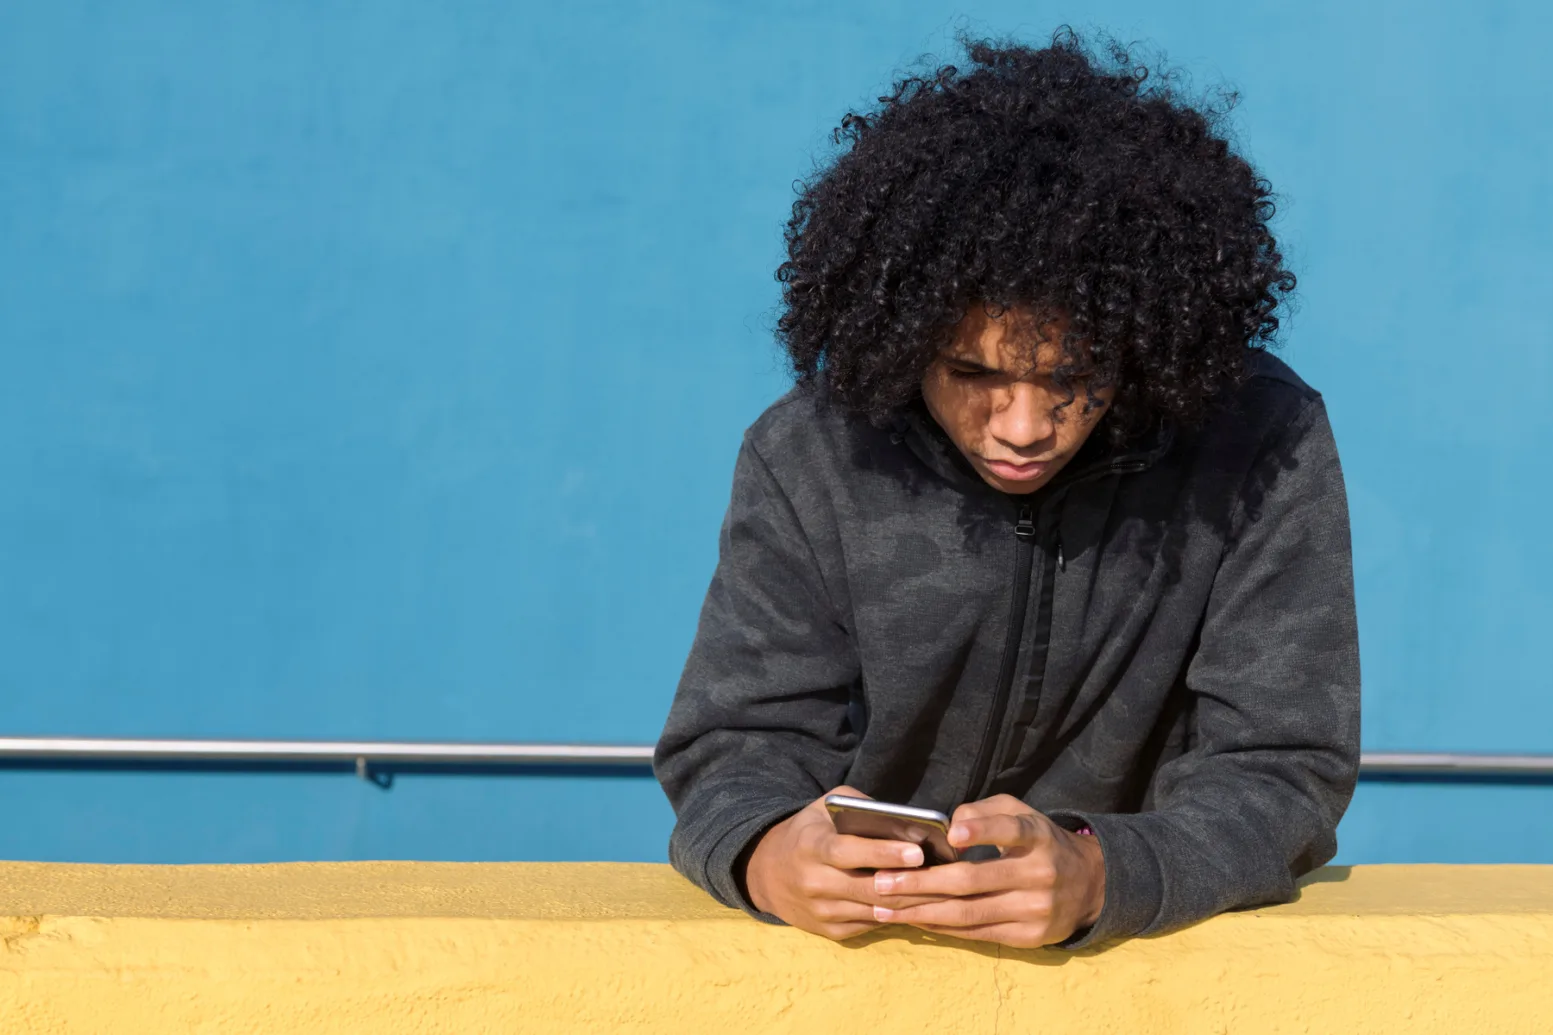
<point x="758" y="728"/>
<point x="1274" y="684"/>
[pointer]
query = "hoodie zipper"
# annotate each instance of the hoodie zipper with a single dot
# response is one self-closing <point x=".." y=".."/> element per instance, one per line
<point x="1024" y="557"/>
<point x="1040" y="648"/>
<point x="1024" y="562"/>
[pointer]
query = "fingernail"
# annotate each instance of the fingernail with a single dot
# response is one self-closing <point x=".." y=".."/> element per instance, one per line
<point x="959" y="834"/>
<point x="881" y="913"/>
<point x="912" y="856"/>
<point x="885" y="882"/>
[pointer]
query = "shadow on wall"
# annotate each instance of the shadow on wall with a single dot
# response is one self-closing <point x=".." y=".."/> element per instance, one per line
<point x="1046" y="957"/>
<point x="1325" y="875"/>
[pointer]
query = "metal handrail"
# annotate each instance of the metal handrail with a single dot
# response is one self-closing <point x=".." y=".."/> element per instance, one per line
<point x="1445" y="763"/>
<point x="368" y="754"/>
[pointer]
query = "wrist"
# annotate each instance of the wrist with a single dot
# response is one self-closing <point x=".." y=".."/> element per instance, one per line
<point x="1094" y="877"/>
<point x="754" y="871"/>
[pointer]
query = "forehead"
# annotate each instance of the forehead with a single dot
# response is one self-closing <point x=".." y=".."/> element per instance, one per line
<point x="1013" y="339"/>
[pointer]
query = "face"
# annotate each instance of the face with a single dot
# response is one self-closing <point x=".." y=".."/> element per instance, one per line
<point x="993" y="393"/>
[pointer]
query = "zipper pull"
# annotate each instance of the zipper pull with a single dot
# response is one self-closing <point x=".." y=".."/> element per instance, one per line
<point x="1062" y="562"/>
<point x="1025" y="527"/>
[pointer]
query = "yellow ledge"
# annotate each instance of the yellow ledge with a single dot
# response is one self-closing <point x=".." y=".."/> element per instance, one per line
<point x="601" y="947"/>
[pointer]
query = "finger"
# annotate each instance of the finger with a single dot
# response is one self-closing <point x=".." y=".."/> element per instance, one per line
<point x="833" y="911"/>
<point x="958" y="879"/>
<point x="818" y="804"/>
<point x="842" y="916"/>
<point x="820" y="883"/>
<point x="817" y="883"/>
<point x="975" y="911"/>
<point x="973" y="811"/>
<point x="949" y="913"/>
<point x="997" y="805"/>
<point x="854" y="886"/>
<point x="1025" y="829"/>
<point x="1015" y="935"/>
<point x="848" y="852"/>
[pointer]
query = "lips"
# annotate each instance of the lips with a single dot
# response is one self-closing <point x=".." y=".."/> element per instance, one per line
<point x="1025" y="472"/>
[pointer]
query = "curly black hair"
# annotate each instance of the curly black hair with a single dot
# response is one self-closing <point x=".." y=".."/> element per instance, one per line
<point x="1067" y="182"/>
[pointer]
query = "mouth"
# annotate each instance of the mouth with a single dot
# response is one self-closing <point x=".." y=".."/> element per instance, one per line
<point x="1022" y="472"/>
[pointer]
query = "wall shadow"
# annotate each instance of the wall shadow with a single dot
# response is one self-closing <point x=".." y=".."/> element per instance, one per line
<point x="1324" y="875"/>
<point x="915" y="936"/>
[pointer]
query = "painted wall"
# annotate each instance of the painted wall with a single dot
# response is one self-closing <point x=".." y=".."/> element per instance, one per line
<point x="376" y="370"/>
<point x="403" y="948"/>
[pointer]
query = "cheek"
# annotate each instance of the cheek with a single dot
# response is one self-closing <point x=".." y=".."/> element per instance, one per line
<point x="1074" y="431"/>
<point x="961" y="411"/>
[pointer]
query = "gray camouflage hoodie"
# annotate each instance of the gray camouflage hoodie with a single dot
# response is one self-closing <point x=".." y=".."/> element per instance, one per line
<point x="1160" y="644"/>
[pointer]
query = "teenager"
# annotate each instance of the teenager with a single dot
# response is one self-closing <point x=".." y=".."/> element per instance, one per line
<point x="1043" y="536"/>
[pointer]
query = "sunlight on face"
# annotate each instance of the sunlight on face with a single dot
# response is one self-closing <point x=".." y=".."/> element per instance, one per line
<point x="993" y="393"/>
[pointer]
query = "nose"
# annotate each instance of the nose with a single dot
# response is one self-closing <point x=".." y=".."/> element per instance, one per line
<point x="1023" y="417"/>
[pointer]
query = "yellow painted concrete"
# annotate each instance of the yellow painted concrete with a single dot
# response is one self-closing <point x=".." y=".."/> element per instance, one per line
<point x="429" y="948"/>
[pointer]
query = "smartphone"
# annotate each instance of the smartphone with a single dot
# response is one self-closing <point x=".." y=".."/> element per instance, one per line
<point x="864" y="817"/>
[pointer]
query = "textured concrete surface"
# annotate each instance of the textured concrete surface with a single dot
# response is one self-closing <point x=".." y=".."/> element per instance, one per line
<point x="427" y="947"/>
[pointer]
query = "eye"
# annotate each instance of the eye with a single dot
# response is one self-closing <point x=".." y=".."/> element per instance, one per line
<point x="967" y="373"/>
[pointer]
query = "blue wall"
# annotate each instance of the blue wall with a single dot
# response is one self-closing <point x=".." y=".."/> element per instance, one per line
<point x="376" y="370"/>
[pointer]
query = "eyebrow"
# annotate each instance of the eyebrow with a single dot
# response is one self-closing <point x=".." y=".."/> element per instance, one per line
<point x="979" y="367"/>
<point x="965" y="362"/>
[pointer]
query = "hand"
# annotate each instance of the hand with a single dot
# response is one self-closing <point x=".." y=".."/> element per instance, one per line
<point x="812" y="877"/>
<point x="1047" y="884"/>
